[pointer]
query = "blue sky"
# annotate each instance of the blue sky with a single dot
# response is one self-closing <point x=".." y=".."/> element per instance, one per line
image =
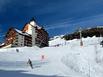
<point x="57" y="16"/>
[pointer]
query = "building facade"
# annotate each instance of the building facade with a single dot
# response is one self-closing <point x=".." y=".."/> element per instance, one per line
<point x="30" y="35"/>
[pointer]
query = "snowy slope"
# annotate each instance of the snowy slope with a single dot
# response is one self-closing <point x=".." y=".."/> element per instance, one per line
<point x="67" y="59"/>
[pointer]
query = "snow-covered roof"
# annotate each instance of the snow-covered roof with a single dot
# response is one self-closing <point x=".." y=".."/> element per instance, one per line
<point x="2" y="44"/>
<point x="20" y="32"/>
<point x="33" y="23"/>
<point x="39" y="27"/>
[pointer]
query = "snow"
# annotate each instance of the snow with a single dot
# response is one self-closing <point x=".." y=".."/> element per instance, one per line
<point x="33" y="23"/>
<point x="68" y="59"/>
<point x="21" y="32"/>
<point x="2" y="44"/>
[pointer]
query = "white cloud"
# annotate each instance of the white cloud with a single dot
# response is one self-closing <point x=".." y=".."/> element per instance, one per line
<point x="60" y="24"/>
<point x="91" y="21"/>
<point x="83" y="22"/>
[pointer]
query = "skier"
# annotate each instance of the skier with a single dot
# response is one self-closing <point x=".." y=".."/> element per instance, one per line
<point x="30" y="63"/>
<point x="101" y="43"/>
<point x="42" y="57"/>
<point x="17" y="50"/>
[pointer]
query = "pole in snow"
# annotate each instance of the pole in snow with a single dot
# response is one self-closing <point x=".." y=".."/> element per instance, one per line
<point x="89" y="70"/>
<point x="80" y="34"/>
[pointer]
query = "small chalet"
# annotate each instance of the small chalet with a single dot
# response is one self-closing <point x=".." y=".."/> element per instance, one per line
<point x="30" y="35"/>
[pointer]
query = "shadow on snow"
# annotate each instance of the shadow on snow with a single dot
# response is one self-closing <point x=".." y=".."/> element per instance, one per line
<point x="19" y="74"/>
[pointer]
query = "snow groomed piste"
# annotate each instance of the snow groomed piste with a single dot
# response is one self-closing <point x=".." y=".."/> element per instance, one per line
<point x="62" y="58"/>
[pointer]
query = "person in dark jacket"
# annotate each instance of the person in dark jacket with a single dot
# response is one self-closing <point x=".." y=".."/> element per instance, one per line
<point x="101" y="43"/>
<point x="30" y="63"/>
<point x="17" y="50"/>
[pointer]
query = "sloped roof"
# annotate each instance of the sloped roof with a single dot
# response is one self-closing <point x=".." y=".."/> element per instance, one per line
<point x="32" y="22"/>
<point x="20" y="32"/>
